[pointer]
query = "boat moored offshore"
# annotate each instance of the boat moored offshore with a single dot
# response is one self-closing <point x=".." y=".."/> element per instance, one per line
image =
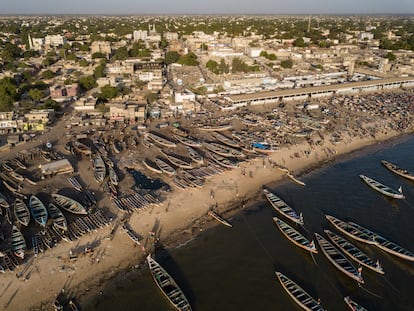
<point x="381" y="188"/>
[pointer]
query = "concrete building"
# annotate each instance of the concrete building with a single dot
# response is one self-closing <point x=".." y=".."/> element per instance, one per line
<point x="103" y="47"/>
<point x="56" y="168"/>
<point x="126" y="111"/>
<point x="54" y="40"/>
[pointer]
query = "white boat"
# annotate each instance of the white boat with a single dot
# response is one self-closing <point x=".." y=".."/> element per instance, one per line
<point x="298" y="294"/>
<point x="18" y="242"/>
<point x="188" y="141"/>
<point x="398" y="170"/>
<point x="354" y="306"/>
<point x="168" y="286"/>
<point x="352" y="230"/>
<point x="295" y="236"/>
<point x="215" y="128"/>
<point x="69" y="204"/>
<point x="100" y="168"/>
<point x="338" y="259"/>
<point x="219" y="218"/>
<point x="38" y="210"/>
<point x="280" y="206"/>
<point x="151" y="166"/>
<point x="381" y="188"/>
<point x="59" y="220"/>
<point x="75" y="183"/>
<point x="194" y="155"/>
<point x="21" y="211"/>
<point x="161" y="140"/>
<point x="299" y="182"/>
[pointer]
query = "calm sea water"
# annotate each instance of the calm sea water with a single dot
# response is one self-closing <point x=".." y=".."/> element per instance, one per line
<point x="233" y="269"/>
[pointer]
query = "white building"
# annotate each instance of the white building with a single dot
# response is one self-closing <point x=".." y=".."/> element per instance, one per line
<point x="184" y="97"/>
<point x="55" y="40"/>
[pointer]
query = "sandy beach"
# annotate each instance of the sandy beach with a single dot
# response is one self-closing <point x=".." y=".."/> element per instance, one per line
<point x="179" y="218"/>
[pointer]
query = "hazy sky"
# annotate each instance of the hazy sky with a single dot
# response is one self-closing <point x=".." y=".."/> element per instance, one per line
<point x="205" y="6"/>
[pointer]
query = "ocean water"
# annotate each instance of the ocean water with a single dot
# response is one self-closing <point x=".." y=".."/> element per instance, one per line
<point x="233" y="268"/>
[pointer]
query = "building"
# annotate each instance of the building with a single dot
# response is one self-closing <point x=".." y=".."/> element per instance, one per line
<point x="36" y="44"/>
<point x="62" y="93"/>
<point x="184" y="97"/>
<point x="103" y="47"/>
<point x="56" y="168"/>
<point x="54" y="40"/>
<point x="126" y="112"/>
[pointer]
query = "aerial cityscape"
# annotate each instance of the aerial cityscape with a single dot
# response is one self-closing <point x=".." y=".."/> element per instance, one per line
<point x="235" y="156"/>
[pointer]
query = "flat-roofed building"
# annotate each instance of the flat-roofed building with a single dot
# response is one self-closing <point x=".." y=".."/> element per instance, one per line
<point x="56" y="168"/>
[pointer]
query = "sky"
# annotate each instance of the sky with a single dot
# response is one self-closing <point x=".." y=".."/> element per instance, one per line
<point x="165" y="7"/>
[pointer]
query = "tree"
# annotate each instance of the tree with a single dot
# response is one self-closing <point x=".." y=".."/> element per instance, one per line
<point x="299" y="42"/>
<point x="99" y="72"/>
<point x="238" y="65"/>
<point x="213" y="66"/>
<point x="189" y="59"/>
<point x="50" y="104"/>
<point x="98" y="55"/>
<point x="35" y="94"/>
<point x="87" y="82"/>
<point x="83" y="63"/>
<point x="10" y="52"/>
<point x="151" y="97"/>
<point x="223" y="67"/>
<point x="288" y="63"/>
<point x="48" y="74"/>
<point x="8" y="93"/>
<point x="121" y="53"/>
<point x="108" y="92"/>
<point x="391" y="56"/>
<point x="171" y="57"/>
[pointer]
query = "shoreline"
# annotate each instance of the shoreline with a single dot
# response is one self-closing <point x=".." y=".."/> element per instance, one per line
<point x="176" y="221"/>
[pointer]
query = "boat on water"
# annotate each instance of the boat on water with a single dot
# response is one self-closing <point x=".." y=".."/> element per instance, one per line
<point x="299" y="182"/>
<point x="354" y="231"/>
<point x="3" y="201"/>
<point x="168" y="286"/>
<point x="188" y="141"/>
<point x="69" y="204"/>
<point x="100" y="168"/>
<point x="113" y="176"/>
<point x="215" y="128"/>
<point x="38" y="210"/>
<point x="398" y="170"/>
<point x="161" y="140"/>
<point x="59" y="220"/>
<point x="280" y="206"/>
<point x="194" y="155"/>
<point x="219" y="218"/>
<point x="21" y="211"/>
<point x="381" y="188"/>
<point x="338" y="259"/>
<point x="151" y="166"/>
<point x="354" y="306"/>
<point x="18" y="243"/>
<point x="295" y="236"/>
<point x="298" y="294"/>
<point x="164" y="166"/>
<point x="354" y="252"/>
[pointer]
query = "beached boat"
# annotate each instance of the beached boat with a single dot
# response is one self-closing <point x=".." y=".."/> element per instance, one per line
<point x="299" y="182"/>
<point x="295" y="236"/>
<point x="18" y="242"/>
<point x="219" y="218"/>
<point x="338" y="259"/>
<point x="381" y="188"/>
<point x="3" y="201"/>
<point x="38" y="210"/>
<point x="298" y="294"/>
<point x="5" y="165"/>
<point x="225" y="140"/>
<point x="16" y="176"/>
<point x="19" y="163"/>
<point x="82" y="148"/>
<point x="188" y="141"/>
<point x="222" y="161"/>
<point x="164" y="166"/>
<point x="21" y="211"/>
<point x="161" y="141"/>
<point x="353" y="252"/>
<point x="280" y="206"/>
<point x="354" y="231"/>
<point x="132" y="235"/>
<point x="113" y="177"/>
<point x="264" y="148"/>
<point x="75" y="183"/>
<point x="215" y="128"/>
<point x="168" y="286"/>
<point x="398" y="170"/>
<point x="193" y="180"/>
<point x="100" y="168"/>
<point x="224" y="151"/>
<point x="353" y="305"/>
<point x="59" y="220"/>
<point x="194" y="155"/>
<point x="177" y="161"/>
<point x="30" y="181"/>
<point x="179" y="131"/>
<point x="12" y="187"/>
<point x="69" y="204"/>
<point x="151" y="166"/>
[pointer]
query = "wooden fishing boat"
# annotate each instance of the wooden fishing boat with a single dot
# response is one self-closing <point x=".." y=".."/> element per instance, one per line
<point x="11" y="186"/>
<point x="222" y="161"/>
<point x="100" y="168"/>
<point x="193" y="180"/>
<point x="381" y="188"/>
<point x="16" y="176"/>
<point x="264" y="148"/>
<point x="299" y="182"/>
<point x="164" y="166"/>
<point x="294" y="236"/>
<point x="353" y="252"/>
<point x="146" y="143"/>
<point x="75" y="183"/>
<point x="188" y="141"/>
<point x="398" y="170"/>
<point x="18" y="242"/>
<point x="19" y="163"/>
<point x="3" y="201"/>
<point x="5" y="165"/>
<point x="151" y="166"/>
<point x="30" y="181"/>
<point x="353" y="230"/>
<point x="59" y="220"/>
<point x="392" y="248"/>
<point x="38" y="210"/>
<point x="215" y="128"/>
<point x="177" y="161"/>
<point x="115" y="146"/>
<point x="194" y="155"/>
<point x="180" y="132"/>
<point x="338" y="259"/>
<point x="69" y="204"/>
<point x="298" y="294"/>
<point x="353" y="305"/>
<point x="225" y="140"/>
<point x="134" y="237"/>
<point x="113" y="177"/>
<point x="82" y="148"/>
<point x="219" y="218"/>
<point x="280" y="206"/>
<point x="46" y="156"/>
<point x="224" y="151"/>
<point x="161" y="141"/>
<point x="21" y="211"/>
<point x="168" y="286"/>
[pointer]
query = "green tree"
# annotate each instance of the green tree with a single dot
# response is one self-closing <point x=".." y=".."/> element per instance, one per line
<point x="98" y="55"/>
<point x="35" y="94"/>
<point x="189" y="59"/>
<point x="108" y="92"/>
<point x="223" y="67"/>
<point x="299" y="42"/>
<point x="121" y="53"/>
<point x="87" y="82"/>
<point x="48" y="74"/>
<point x="83" y="63"/>
<point x="50" y="104"/>
<point x="171" y="57"/>
<point x="10" y="52"/>
<point x="391" y="56"/>
<point x="151" y="97"/>
<point x="99" y="72"/>
<point x="288" y="63"/>
<point x="8" y="93"/>
<point x="213" y="66"/>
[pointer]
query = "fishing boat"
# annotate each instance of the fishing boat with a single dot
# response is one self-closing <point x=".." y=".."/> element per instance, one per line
<point x="299" y="182"/>
<point x="215" y="128"/>
<point x="222" y="161"/>
<point x="132" y="235"/>
<point x="294" y="236"/>
<point x="38" y="210"/>
<point x="75" y="183"/>
<point x="82" y="148"/>
<point x="219" y="218"/>
<point x="11" y="186"/>
<point x="168" y="286"/>
<point x="280" y="206"/>
<point x="193" y="180"/>
<point x="188" y="141"/>
<point x="161" y="141"/>
<point x="177" y="161"/>
<point x="298" y="294"/>
<point x="352" y="230"/>
<point x="16" y="176"/>
<point x="113" y="177"/>
<point x="179" y="131"/>
<point x="59" y="220"/>
<point x="381" y="188"/>
<point x="194" y="155"/>
<point x="398" y="170"/>
<point x="224" y="151"/>
<point x="264" y="148"/>
<point x="151" y="166"/>
<point x="392" y="248"/>
<point x="164" y="166"/>
<point x="69" y="204"/>
<point x="225" y="140"/>
<point x="353" y="252"/>
<point x="5" y="165"/>
<point x="100" y="168"/>
<point x="338" y="259"/>
<point x="3" y="201"/>
<point x="353" y="305"/>
<point x="21" y="211"/>
<point x="19" y="163"/>
<point x="18" y="242"/>
<point x="30" y="181"/>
